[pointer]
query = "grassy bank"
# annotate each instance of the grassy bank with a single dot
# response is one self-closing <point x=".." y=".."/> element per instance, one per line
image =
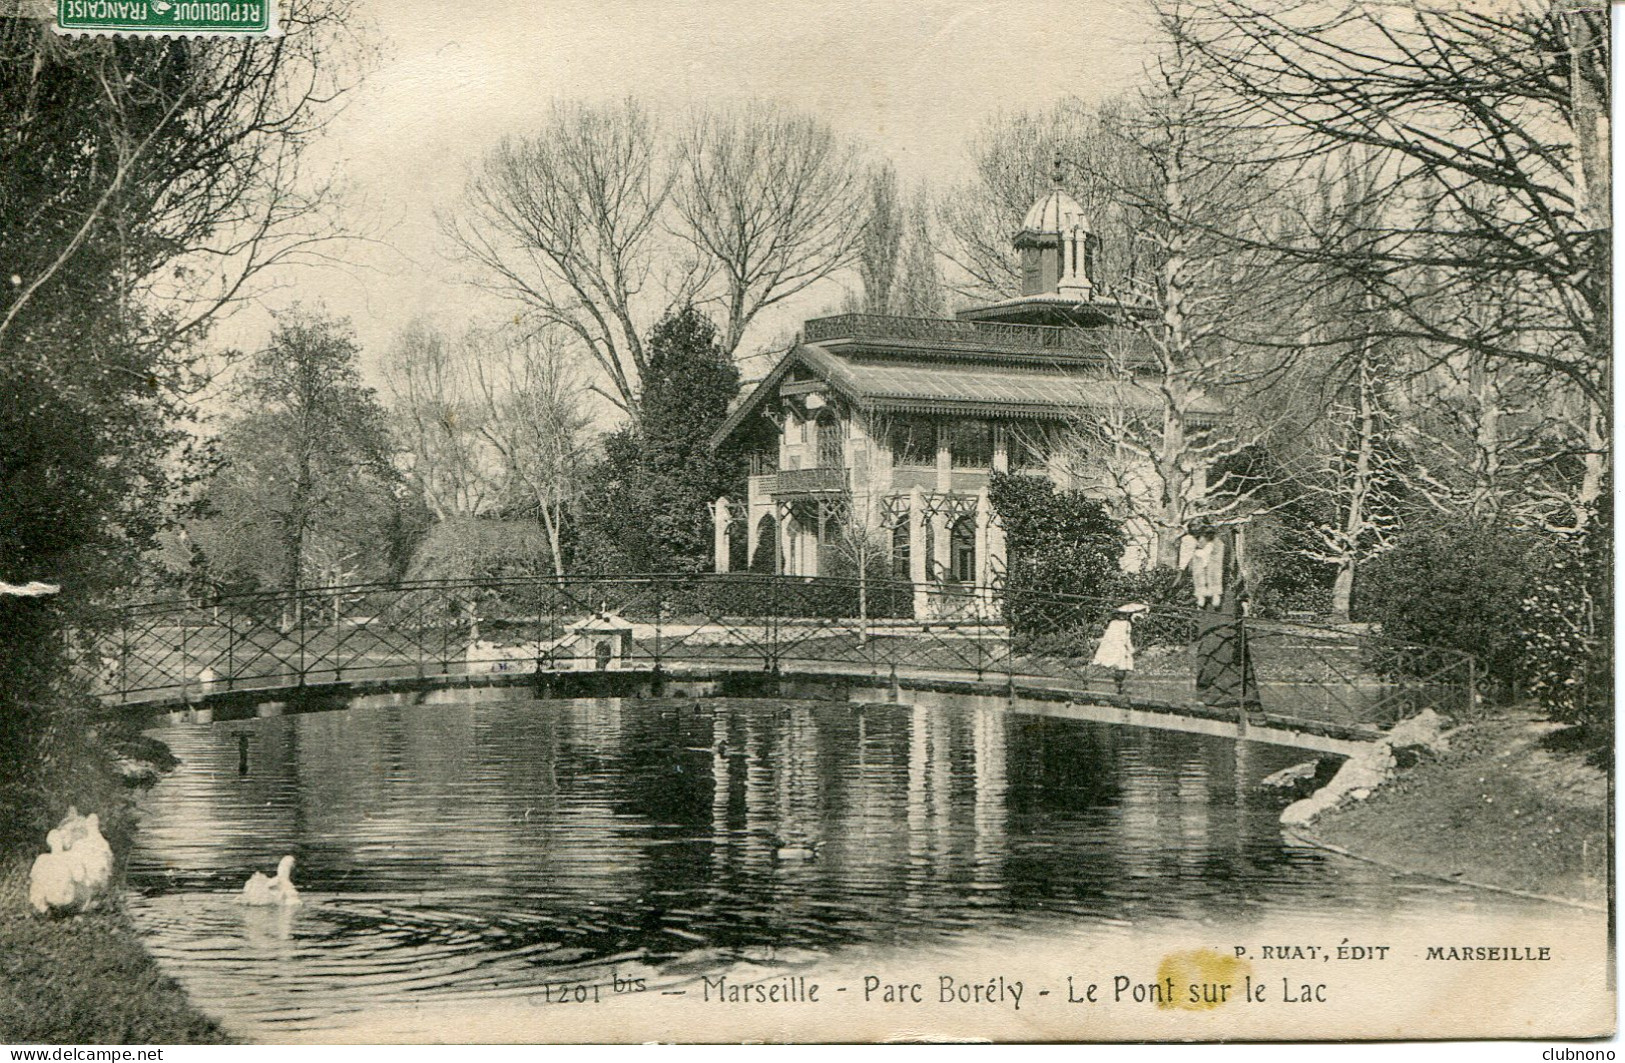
<point x="1506" y="805"/>
<point x="85" y="979"/>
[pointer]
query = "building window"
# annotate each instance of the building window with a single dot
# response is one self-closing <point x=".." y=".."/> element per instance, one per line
<point x="830" y="450"/>
<point x="972" y="445"/>
<point x="763" y="462"/>
<point x="899" y="552"/>
<point x="962" y="551"/>
<point x="914" y="443"/>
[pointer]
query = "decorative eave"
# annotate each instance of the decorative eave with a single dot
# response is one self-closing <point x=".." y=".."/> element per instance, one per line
<point x="765" y="389"/>
<point x="844" y="378"/>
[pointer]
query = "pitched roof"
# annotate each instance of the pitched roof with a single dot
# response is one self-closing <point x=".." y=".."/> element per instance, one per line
<point x="932" y="386"/>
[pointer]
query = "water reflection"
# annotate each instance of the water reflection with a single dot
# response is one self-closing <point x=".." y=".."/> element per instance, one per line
<point x="487" y="848"/>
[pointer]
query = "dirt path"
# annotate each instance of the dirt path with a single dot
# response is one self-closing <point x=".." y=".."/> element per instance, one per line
<point x="1497" y="808"/>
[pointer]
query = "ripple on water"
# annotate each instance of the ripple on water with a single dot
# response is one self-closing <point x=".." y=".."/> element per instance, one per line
<point x="465" y="852"/>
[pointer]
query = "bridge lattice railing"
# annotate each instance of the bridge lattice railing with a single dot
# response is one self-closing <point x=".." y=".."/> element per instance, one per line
<point x="186" y="650"/>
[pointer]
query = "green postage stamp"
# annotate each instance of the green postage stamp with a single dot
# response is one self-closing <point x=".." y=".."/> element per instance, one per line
<point x="167" y="17"/>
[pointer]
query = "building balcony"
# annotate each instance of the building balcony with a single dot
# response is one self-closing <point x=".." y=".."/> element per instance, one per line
<point x="760" y="487"/>
<point x="904" y="478"/>
<point x="943" y="334"/>
<point x="808" y="482"/>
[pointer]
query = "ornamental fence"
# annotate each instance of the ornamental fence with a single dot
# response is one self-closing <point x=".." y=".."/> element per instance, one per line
<point x="175" y="652"/>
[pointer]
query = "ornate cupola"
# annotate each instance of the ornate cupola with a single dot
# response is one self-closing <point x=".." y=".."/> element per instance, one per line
<point x="1056" y="245"/>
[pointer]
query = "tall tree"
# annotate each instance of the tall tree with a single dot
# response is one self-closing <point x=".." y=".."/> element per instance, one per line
<point x="307" y="493"/>
<point x="601" y="223"/>
<point x="880" y="243"/>
<point x="919" y="290"/>
<point x="569" y="222"/>
<point x="772" y="200"/>
<point x="1187" y="291"/>
<point x="645" y="506"/>
<point x="1360" y="482"/>
<point x="1489" y="127"/>
<point x="145" y="185"/>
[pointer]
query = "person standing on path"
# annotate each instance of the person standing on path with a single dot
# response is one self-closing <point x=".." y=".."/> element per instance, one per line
<point x="1116" y="648"/>
<point x="1204" y="555"/>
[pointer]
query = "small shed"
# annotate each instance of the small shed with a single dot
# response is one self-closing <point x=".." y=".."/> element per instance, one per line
<point x="601" y="642"/>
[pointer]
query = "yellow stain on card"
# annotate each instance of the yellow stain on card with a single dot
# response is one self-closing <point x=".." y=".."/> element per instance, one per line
<point x="1201" y="980"/>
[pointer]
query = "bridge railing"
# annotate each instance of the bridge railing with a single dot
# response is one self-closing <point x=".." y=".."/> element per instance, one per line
<point x="186" y="650"/>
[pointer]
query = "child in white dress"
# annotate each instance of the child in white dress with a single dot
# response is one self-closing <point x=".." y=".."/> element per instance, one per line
<point x="1116" y="648"/>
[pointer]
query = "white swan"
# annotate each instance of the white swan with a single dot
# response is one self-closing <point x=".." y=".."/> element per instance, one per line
<point x="264" y="890"/>
<point x="76" y="871"/>
<point x="50" y="881"/>
<point x="93" y="858"/>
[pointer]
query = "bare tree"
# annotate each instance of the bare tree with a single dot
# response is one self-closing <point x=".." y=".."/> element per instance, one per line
<point x="1502" y="191"/>
<point x="1497" y="444"/>
<point x="1187" y="191"/>
<point x="772" y="200"/>
<point x="859" y="517"/>
<point x="919" y="290"/>
<point x="441" y="422"/>
<point x="1015" y="157"/>
<point x="1147" y="443"/>
<point x="533" y="417"/>
<point x="1361" y="478"/>
<point x="599" y="224"/>
<point x="880" y="243"/>
<point x="569" y="222"/>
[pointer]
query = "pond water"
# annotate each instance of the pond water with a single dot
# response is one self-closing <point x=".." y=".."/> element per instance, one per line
<point x="480" y="850"/>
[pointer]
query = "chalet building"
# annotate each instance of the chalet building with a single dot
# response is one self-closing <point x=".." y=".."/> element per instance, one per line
<point x="872" y="440"/>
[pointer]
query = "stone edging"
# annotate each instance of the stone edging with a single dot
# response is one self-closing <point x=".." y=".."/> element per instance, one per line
<point x="1304" y="838"/>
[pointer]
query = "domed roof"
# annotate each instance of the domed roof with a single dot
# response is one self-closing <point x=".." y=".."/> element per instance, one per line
<point x="1055" y="212"/>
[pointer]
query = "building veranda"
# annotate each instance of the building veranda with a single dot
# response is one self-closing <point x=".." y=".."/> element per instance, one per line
<point x="872" y="440"/>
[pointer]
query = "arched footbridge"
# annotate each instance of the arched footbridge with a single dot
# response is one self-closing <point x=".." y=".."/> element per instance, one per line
<point x="1311" y="686"/>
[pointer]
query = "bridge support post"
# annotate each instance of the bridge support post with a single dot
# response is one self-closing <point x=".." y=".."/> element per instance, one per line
<point x="124" y="662"/>
<point x="186" y="662"/>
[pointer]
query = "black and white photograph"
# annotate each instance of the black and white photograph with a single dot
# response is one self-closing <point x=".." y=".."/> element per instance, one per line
<point x="737" y="522"/>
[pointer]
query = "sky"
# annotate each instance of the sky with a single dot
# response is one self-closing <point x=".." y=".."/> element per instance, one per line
<point x="912" y="80"/>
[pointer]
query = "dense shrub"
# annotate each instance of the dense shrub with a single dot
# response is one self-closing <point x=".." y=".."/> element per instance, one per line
<point x="1567" y="631"/>
<point x="1461" y="587"/>
<point x="1286" y="576"/>
<point x="1157" y="587"/>
<point x="748" y="596"/>
<point x="1056" y="543"/>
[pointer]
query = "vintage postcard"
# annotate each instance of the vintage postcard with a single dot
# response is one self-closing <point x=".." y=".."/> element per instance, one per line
<point x="818" y="521"/>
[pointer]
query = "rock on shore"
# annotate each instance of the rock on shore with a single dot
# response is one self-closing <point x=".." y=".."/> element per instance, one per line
<point x="1414" y="739"/>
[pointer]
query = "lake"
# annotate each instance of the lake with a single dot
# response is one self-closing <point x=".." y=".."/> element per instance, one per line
<point x="491" y="850"/>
